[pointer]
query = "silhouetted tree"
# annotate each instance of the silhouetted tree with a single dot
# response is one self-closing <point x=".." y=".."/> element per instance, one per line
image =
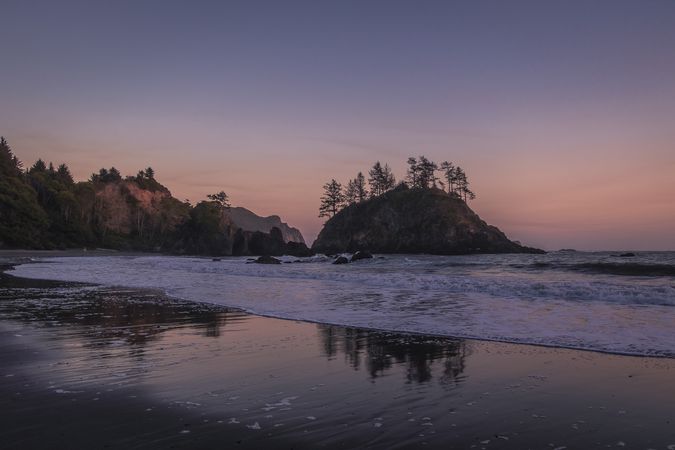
<point x="9" y="164"/>
<point x="350" y="193"/>
<point x="381" y="179"/>
<point x="38" y="167"/>
<point x="462" y="185"/>
<point x="360" y="187"/>
<point x="332" y="199"/>
<point x="426" y="173"/>
<point x="448" y="170"/>
<point x="413" y="172"/>
<point x="356" y="191"/>
<point x="149" y="173"/>
<point x="64" y="175"/>
<point x="221" y="198"/>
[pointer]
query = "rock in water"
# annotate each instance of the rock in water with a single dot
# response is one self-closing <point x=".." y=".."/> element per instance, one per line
<point x="413" y="221"/>
<point x="267" y="260"/>
<point x="361" y="255"/>
<point x="341" y="260"/>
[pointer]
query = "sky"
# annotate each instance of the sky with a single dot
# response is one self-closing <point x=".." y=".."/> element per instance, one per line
<point x="561" y="113"/>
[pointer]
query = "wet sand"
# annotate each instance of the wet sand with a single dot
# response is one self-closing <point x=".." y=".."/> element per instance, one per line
<point x="90" y="367"/>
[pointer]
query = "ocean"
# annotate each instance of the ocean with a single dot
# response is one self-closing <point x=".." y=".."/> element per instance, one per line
<point x="583" y="300"/>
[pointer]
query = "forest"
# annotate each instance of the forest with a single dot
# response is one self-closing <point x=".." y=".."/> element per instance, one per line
<point x="42" y="207"/>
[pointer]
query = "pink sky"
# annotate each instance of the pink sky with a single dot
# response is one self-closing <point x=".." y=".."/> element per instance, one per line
<point x="560" y="113"/>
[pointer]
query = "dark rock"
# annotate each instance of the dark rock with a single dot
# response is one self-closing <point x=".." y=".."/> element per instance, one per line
<point x="298" y="249"/>
<point x="361" y="255"/>
<point x="267" y="260"/>
<point x="341" y="260"/>
<point x="413" y="221"/>
<point x="626" y="255"/>
<point x="216" y="259"/>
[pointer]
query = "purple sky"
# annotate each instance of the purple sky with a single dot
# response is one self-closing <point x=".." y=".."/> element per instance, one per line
<point x="562" y="113"/>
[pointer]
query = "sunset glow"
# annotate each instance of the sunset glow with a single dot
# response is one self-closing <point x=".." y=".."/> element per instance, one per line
<point x="562" y="114"/>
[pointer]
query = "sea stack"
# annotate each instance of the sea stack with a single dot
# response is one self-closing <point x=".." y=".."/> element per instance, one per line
<point x="406" y="220"/>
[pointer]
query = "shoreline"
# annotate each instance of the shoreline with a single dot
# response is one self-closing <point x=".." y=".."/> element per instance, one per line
<point x="30" y="254"/>
<point x="116" y="366"/>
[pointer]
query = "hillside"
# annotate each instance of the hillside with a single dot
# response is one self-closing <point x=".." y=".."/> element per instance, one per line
<point x="44" y="208"/>
<point x="407" y="220"/>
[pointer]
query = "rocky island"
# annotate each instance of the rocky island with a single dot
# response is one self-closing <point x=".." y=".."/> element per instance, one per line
<point x="416" y="216"/>
<point x="406" y="220"/>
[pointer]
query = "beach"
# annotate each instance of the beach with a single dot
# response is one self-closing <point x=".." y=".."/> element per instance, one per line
<point x="108" y="367"/>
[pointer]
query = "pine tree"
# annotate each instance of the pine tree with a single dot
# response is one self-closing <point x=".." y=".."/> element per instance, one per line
<point x="332" y="199"/>
<point x="413" y="172"/>
<point x="449" y="173"/>
<point x="38" y="167"/>
<point x="350" y="193"/>
<point x="360" y="187"/>
<point x="149" y="173"/>
<point x="381" y="179"/>
<point x="388" y="179"/>
<point x="9" y="164"/>
<point x="426" y="173"/>
<point x="375" y="177"/>
<point x="63" y="174"/>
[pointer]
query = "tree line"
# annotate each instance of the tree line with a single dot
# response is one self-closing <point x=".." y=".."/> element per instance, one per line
<point x="44" y="207"/>
<point x="421" y="174"/>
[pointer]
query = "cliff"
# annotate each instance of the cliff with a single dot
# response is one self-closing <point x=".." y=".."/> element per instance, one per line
<point x="249" y="221"/>
<point x="413" y="221"/>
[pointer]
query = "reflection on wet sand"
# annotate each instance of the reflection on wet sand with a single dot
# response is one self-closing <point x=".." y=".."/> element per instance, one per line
<point x="88" y="366"/>
<point x="381" y="351"/>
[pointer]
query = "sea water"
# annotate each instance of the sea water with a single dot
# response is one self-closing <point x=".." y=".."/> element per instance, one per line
<point x="594" y="301"/>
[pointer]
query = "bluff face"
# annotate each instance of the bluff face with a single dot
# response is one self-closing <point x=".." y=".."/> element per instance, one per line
<point x="249" y="221"/>
<point x="413" y="221"/>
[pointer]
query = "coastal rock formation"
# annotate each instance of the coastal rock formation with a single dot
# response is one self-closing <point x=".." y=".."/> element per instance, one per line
<point x="249" y="221"/>
<point x="407" y="220"/>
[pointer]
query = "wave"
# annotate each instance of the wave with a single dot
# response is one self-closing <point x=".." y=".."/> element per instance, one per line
<point x="610" y="268"/>
<point x="567" y="309"/>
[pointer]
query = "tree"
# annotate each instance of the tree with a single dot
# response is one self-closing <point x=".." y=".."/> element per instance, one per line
<point x="9" y="164"/>
<point x="221" y="198"/>
<point x="22" y="220"/>
<point x="381" y="179"/>
<point x="350" y="193"/>
<point x="114" y="175"/>
<point x="149" y="173"/>
<point x="413" y="172"/>
<point x="356" y="191"/>
<point x="360" y="187"/>
<point x="332" y="199"/>
<point x="63" y="174"/>
<point x="462" y="185"/>
<point x="448" y="169"/>
<point x="426" y="173"/>
<point x="38" y="167"/>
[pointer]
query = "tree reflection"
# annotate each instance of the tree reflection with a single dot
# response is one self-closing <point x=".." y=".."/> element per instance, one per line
<point x="378" y="352"/>
<point x="105" y="316"/>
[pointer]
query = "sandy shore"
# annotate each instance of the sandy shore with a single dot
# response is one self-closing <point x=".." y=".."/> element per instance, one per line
<point x="87" y="367"/>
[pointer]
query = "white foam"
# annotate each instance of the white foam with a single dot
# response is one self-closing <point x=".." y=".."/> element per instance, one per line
<point x="475" y="297"/>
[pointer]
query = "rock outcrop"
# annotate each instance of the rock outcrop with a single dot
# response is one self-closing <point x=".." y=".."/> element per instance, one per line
<point x="249" y="221"/>
<point x="413" y="221"/>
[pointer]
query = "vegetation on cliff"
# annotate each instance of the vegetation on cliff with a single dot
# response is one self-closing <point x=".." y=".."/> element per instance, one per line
<point x="422" y="214"/>
<point x="44" y="208"/>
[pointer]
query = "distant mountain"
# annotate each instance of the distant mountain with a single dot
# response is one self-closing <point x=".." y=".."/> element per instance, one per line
<point x="407" y="220"/>
<point x="249" y="221"/>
